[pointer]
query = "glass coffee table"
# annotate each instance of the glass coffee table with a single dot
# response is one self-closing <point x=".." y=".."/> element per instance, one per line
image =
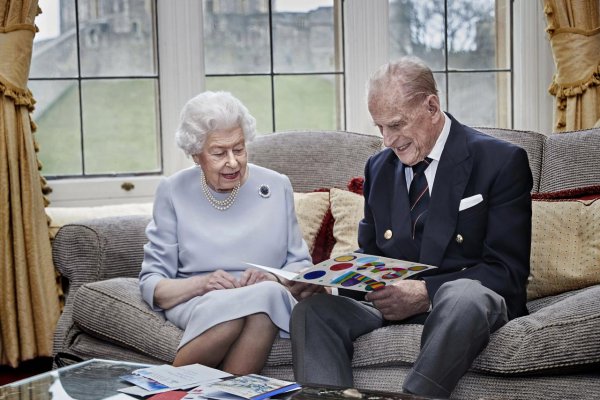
<point x="98" y="379"/>
<point x="93" y="379"/>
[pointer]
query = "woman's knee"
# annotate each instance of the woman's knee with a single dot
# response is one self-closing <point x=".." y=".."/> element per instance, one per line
<point x="259" y="320"/>
<point x="274" y="291"/>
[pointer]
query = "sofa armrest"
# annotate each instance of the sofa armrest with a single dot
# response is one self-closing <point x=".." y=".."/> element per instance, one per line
<point x="95" y="250"/>
<point x="100" y="249"/>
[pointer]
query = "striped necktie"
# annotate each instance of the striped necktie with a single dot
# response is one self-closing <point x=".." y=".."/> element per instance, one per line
<point x="418" y="196"/>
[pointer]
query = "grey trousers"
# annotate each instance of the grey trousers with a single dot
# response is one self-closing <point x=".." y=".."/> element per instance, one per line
<point x="464" y="315"/>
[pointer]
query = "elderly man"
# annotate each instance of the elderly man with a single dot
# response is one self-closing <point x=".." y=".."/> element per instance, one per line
<point x="442" y="194"/>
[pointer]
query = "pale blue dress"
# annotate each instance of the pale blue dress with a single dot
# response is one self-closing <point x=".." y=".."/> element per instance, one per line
<point x="188" y="236"/>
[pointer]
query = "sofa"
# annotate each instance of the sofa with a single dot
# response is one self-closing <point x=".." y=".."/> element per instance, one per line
<point x="553" y="353"/>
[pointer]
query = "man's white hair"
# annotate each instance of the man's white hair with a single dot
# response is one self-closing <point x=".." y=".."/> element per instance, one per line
<point x="409" y="73"/>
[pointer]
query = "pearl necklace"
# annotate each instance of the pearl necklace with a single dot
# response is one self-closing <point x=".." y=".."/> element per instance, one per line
<point x="220" y="205"/>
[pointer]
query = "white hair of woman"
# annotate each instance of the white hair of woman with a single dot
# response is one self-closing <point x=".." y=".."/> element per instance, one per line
<point x="209" y="112"/>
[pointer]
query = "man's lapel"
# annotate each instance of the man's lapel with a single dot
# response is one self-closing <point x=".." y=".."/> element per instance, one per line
<point x="451" y="179"/>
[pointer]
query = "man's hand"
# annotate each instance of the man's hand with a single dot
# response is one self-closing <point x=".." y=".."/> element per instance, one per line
<point x="302" y="290"/>
<point x="401" y="300"/>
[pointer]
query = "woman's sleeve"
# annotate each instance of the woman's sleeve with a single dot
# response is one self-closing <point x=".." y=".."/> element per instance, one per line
<point x="161" y="252"/>
<point x="298" y="256"/>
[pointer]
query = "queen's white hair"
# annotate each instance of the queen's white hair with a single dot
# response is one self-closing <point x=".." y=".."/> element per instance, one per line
<point x="209" y="112"/>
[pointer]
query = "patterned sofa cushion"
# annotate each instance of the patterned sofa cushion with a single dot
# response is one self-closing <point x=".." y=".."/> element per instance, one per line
<point x="526" y="345"/>
<point x="347" y="209"/>
<point x="327" y="159"/>
<point x="565" y="246"/>
<point x="549" y="340"/>
<point x="571" y="160"/>
<point x="114" y="310"/>
<point x="533" y="144"/>
<point x="310" y="211"/>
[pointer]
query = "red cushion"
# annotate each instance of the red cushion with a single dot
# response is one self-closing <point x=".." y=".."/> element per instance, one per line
<point x="583" y="193"/>
<point x="356" y="185"/>
<point x="324" y="240"/>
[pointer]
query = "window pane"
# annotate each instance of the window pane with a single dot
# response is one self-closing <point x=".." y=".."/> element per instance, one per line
<point x="120" y="125"/>
<point x="417" y="28"/>
<point x="56" y="115"/>
<point x="308" y="102"/>
<point x="55" y="45"/>
<point x="253" y="91"/>
<point x="440" y="80"/>
<point x="304" y="36"/>
<point x="479" y="99"/>
<point x="236" y="36"/>
<point x="474" y="34"/>
<point x="121" y="34"/>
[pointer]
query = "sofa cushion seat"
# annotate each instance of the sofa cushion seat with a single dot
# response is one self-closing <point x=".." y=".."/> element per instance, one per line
<point x="547" y="340"/>
<point x="132" y="323"/>
<point x="557" y="338"/>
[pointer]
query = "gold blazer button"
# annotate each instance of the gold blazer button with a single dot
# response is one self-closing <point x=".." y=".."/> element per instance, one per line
<point x="388" y="234"/>
<point x="459" y="238"/>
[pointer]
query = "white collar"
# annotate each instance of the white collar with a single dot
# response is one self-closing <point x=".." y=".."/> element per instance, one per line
<point x="436" y="152"/>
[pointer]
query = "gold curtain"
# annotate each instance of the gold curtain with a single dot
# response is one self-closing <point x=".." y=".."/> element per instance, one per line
<point x="29" y="305"/>
<point x="574" y="31"/>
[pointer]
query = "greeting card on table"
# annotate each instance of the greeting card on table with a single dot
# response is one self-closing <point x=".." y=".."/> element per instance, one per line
<point x="164" y="378"/>
<point x="354" y="271"/>
<point x="251" y="387"/>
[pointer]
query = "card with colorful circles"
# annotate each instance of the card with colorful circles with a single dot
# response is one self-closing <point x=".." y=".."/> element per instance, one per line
<point x="357" y="271"/>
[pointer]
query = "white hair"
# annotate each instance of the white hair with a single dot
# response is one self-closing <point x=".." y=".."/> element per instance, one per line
<point x="208" y="112"/>
<point x="410" y="74"/>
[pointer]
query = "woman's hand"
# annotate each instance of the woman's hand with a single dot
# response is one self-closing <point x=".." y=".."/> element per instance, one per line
<point x="219" y="280"/>
<point x="171" y="292"/>
<point x="252" y="276"/>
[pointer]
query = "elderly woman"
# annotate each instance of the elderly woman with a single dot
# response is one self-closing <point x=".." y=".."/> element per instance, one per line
<point x="208" y="222"/>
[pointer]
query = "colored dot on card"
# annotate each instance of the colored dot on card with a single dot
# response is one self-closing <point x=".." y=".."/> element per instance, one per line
<point x="344" y="258"/>
<point x="366" y="259"/>
<point x="417" y="268"/>
<point x="314" y="274"/>
<point x="341" y="266"/>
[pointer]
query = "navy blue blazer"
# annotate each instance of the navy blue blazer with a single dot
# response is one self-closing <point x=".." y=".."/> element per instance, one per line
<point x="495" y="235"/>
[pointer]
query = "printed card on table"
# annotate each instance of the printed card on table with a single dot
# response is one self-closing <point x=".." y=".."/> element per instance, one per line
<point x="250" y="387"/>
<point x="355" y="271"/>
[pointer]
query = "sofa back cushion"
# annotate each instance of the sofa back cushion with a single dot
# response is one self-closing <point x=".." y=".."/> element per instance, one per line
<point x="531" y="142"/>
<point x="571" y="160"/>
<point x="315" y="159"/>
<point x="311" y="209"/>
<point x="347" y="209"/>
<point x="565" y="246"/>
